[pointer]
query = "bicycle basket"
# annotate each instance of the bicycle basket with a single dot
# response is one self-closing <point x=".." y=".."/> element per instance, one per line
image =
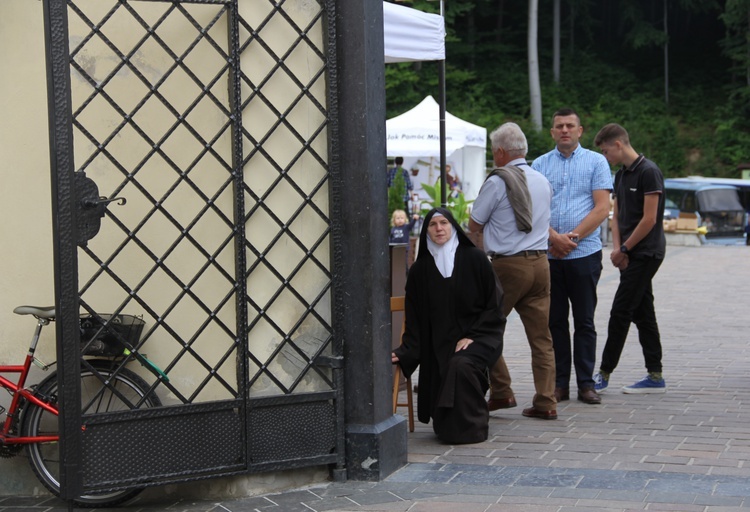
<point x="112" y="336"/>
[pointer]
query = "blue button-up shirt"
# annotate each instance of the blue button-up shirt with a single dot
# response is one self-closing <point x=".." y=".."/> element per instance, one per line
<point x="574" y="179"/>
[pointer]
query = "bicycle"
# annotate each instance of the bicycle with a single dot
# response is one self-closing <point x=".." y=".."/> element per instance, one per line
<point x="32" y="418"/>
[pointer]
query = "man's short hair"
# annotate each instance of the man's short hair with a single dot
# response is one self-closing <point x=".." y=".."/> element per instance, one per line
<point x="399" y="161"/>
<point x="565" y="111"/>
<point x="510" y="138"/>
<point x="610" y="133"/>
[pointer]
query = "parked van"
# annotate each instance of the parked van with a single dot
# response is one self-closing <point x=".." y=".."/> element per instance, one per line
<point x="718" y="207"/>
<point x="743" y="186"/>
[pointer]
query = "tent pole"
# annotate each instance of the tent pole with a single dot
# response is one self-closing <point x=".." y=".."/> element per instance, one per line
<point x="441" y="102"/>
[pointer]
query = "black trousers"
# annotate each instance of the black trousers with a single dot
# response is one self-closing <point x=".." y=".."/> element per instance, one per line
<point x="634" y="303"/>
<point x="574" y="287"/>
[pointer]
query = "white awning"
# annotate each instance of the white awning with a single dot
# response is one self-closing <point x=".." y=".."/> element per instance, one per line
<point x="412" y="35"/>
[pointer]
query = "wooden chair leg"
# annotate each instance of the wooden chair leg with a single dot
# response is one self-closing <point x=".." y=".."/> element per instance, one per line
<point x="397" y="304"/>
<point x="396" y="384"/>
<point x="409" y="399"/>
<point x="410" y="403"/>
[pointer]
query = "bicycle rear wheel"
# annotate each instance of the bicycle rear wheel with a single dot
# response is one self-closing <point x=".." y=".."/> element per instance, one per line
<point x="95" y="398"/>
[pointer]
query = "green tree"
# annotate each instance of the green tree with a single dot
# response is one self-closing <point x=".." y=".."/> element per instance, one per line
<point x="396" y="193"/>
<point x="736" y="43"/>
<point x="614" y="70"/>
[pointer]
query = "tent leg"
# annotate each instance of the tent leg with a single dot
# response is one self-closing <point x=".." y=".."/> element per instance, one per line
<point x="441" y="103"/>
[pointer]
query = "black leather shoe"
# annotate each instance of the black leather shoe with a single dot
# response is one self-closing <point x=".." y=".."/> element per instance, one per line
<point x="589" y="396"/>
<point x="501" y="403"/>
<point x="533" y="412"/>
<point x="562" y="394"/>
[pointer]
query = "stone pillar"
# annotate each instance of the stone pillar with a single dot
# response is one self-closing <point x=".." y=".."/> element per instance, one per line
<point x="375" y="437"/>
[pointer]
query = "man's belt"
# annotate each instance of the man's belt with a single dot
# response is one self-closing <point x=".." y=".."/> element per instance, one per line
<point x="495" y="255"/>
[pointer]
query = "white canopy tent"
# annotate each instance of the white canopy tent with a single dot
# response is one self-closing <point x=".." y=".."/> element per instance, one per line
<point x="412" y="35"/>
<point x="415" y="136"/>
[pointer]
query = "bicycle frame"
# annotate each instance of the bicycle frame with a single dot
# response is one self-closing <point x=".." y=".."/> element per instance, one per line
<point x="30" y="422"/>
<point x="23" y="396"/>
<point x="19" y="392"/>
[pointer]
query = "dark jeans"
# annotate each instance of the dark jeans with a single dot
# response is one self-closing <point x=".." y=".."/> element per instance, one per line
<point x="634" y="302"/>
<point x="574" y="285"/>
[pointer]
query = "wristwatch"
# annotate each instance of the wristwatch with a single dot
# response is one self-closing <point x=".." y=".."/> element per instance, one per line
<point x="624" y="249"/>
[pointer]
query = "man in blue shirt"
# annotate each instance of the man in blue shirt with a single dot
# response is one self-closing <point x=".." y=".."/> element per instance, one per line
<point x="582" y="182"/>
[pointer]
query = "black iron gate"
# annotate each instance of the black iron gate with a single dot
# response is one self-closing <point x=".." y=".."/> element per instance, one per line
<point x="191" y="188"/>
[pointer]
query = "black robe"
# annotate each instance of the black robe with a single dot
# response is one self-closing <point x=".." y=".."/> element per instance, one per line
<point x="439" y="312"/>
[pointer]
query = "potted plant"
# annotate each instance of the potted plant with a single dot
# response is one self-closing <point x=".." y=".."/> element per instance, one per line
<point x="456" y="203"/>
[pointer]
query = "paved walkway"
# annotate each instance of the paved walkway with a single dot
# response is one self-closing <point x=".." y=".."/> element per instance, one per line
<point x="685" y="450"/>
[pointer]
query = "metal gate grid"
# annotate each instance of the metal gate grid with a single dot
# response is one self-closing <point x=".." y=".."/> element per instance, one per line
<point x="182" y="107"/>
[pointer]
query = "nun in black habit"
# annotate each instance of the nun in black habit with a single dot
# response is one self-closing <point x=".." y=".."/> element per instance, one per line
<point x="454" y="330"/>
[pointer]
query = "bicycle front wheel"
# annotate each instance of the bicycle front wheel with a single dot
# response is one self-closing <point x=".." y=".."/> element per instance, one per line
<point x="125" y="388"/>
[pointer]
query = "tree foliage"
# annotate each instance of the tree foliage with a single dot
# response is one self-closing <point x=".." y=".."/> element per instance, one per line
<point x="612" y="70"/>
<point x="396" y="193"/>
<point x="736" y="43"/>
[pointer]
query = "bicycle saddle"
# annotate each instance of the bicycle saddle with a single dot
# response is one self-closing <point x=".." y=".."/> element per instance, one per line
<point x="47" y="312"/>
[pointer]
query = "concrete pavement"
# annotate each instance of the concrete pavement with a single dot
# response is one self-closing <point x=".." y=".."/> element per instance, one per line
<point x="685" y="450"/>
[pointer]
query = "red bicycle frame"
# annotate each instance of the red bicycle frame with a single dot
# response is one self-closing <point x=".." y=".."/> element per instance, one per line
<point x="19" y="393"/>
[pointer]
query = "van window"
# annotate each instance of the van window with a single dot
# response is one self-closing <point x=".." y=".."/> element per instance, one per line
<point x="674" y="198"/>
<point x="688" y="204"/>
<point x="718" y="200"/>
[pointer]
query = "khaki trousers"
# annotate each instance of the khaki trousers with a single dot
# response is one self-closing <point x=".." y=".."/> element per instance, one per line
<point x="526" y="287"/>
